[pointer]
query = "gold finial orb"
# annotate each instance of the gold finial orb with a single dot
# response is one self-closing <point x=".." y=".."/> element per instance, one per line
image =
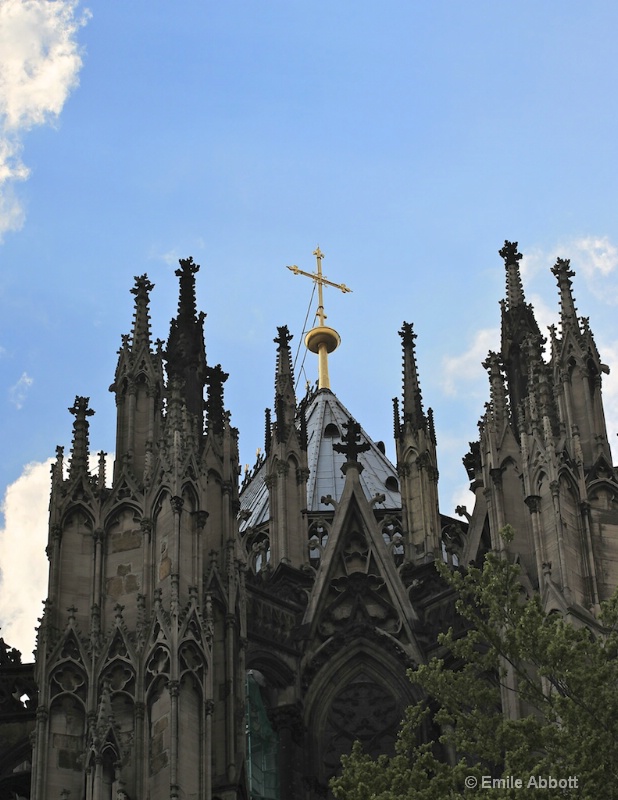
<point x="320" y="337"/>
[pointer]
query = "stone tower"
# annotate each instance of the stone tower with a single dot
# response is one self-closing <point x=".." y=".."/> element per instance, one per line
<point x="206" y="641"/>
<point x="543" y="463"/>
<point x="139" y="661"/>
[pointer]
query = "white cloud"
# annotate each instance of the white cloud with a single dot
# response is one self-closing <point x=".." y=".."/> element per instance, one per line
<point x="171" y="257"/>
<point x="594" y="258"/>
<point x="535" y="260"/>
<point x="597" y="255"/>
<point x="23" y="581"/>
<point x="39" y="66"/>
<point x="461" y="370"/>
<point x="18" y="392"/>
<point x="23" y="563"/>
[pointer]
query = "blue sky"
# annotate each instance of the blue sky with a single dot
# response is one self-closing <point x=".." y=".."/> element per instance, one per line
<point x="409" y="140"/>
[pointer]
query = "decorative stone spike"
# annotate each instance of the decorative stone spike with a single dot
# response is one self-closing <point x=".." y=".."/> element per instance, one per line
<point x="514" y="288"/>
<point x="568" y="313"/>
<point x="58" y="467"/>
<point x="412" y="398"/>
<point x="215" y="413"/>
<point x="304" y="439"/>
<point x="186" y="299"/>
<point x="102" y="474"/>
<point x="280" y="424"/>
<point x="141" y="317"/>
<point x="497" y="388"/>
<point x="185" y="354"/>
<point x="267" y="430"/>
<point x="431" y="426"/>
<point x="285" y="399"/>
<point x="396" y="419"/>
<point x="79" y="448"/>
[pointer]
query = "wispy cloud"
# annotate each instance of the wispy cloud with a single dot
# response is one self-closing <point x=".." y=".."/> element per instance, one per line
<point x="594" y="258"/>
<point x="18" y="392"/>
<point x="597" y="256"/>
<point x="462" y="370"/>
<point x="39" y="66"/>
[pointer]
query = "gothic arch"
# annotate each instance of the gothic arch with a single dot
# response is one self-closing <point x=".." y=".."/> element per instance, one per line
<point x="409" y="456"/>
<point x="214" y="475"/>
<point x="78" y="506"/>
<point x="568" y="480"/>
<point x="194" y="662"/>
<point x="361" y="693"/>
<point x="66" y="739"/>
<point x="276" y="672"/>
<point x="189" y="493"/>
<point x="116" y="511"/>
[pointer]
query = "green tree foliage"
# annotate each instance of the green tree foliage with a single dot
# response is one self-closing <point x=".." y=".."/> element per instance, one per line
<point x="561" y="676"/>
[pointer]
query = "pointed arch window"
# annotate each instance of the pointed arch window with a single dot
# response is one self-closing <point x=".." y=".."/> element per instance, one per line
<point x="262" y="742"/>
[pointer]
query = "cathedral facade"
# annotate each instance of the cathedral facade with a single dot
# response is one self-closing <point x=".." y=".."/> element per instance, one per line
<point x="212" y="638"/>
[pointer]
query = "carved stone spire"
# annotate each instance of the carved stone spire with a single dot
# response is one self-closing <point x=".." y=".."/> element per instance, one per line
<point x="187" y="309"/>
<point x="58" y="467"/>
<point x="78" y="464"/>
<point x="498" y="395"/>
<point x="518" y="323"/>
<point x="285" y="399"/>
<point x="186" y="356"/>
<point x="412" y="399"/>
<point x="568" y="312"/>
<point x="415" y="443"/>
<point x="267" y="430"/>
<point x="141" y="319"/>
<point x="514" y="288"/>
<point x="215" y="411"/>
<point x="138" y="386"/>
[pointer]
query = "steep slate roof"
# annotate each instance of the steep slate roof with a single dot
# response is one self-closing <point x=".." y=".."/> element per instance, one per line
<point x="325" y="416"/>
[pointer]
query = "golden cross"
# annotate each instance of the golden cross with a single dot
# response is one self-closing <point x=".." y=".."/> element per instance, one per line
<point x="321" y="281"/>
<point x="321" y="339"/>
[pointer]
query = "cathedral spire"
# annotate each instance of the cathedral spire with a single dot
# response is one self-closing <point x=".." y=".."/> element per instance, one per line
<point x="187" y="309"/>
<point x="499" y="406"/>
<point x="141" y="319"/>
<point x="568" y="312"/>
<point x="415" y="443"/>
<point x="412" y="399"/>
<point x="138" y="386"/>
<point x="185" y="355"/>
<point x="78" y="464"/>
<point x="286" y="463"/>
<point x="215" y="410"/>
<point x="514" y="288"/>
<point x="518" y="324"/>
<point x="285" y="399"/>
<point x="321" y="339"/>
